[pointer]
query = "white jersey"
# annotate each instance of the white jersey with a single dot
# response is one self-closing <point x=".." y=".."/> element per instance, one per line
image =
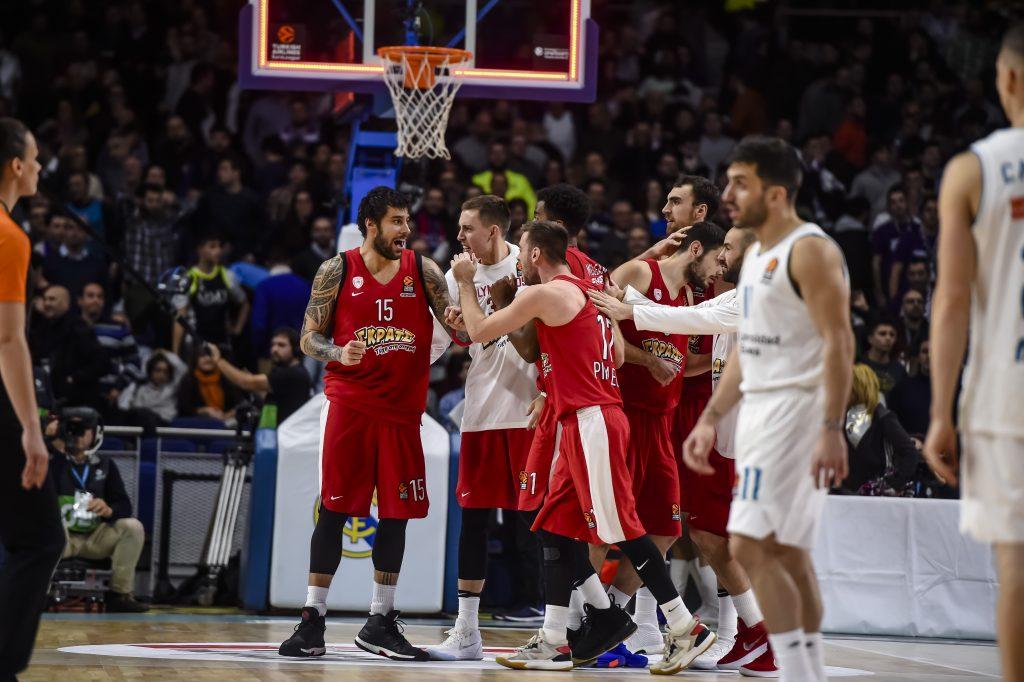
<point x="992" y="400"/>
<point x="500" y="384"/>
<point x="779" y="346"/>
<point x="719" y="316"/>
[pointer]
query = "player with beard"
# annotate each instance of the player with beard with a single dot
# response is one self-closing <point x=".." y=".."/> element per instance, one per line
<point x="791" y="367"/>
<point x="590" y="497"/>
<point x="651" y="381"/>
<point x="495" y="440"/>
<point x="742" y="638"/>
<point x="369" y="319"/>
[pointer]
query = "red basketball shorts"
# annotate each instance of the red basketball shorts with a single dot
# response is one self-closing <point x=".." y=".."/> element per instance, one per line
<point x="490" y="464"/>
<point x="710" y="497"/>
<point x="534" y="478"/>
<point x="591" y="492"/>
<point x="652" y="461"/>
<point x="360" y="453"/>
<point x="689" y="411"/>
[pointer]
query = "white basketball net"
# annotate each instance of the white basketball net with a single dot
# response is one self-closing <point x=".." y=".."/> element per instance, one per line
<point x="422" y="113"/>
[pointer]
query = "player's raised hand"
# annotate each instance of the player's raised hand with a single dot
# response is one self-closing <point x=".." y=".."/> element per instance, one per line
<point x="829" y="464"/>
<point x="610" y="306"/>
<point x="697" y="448"/>
<point x="453" y="318"/>
<point x="663" y="371"/>
<point x="352" y="352"/>
<point x="535" y="410"/>
<point x="503" y="292"/>
<point x="670" y="244"/>
<point x="940" y="451"/>
<point x="464" y="267"/>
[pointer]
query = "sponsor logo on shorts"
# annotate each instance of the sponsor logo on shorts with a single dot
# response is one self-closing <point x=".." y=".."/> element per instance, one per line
<point x="660" y="348"/>
<point x="403" y="491"/>
<point x="769" y="271"/>
<point x="589" y="518"/>
<point x="383" y="340"/>
<point x="675" y="512"/>
<point x="523" y="478"/>
<point x="407" y="289"/>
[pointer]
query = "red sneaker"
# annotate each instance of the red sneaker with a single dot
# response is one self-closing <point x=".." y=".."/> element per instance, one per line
<point x="751" y="643"/>
<point x="763" y="666"/>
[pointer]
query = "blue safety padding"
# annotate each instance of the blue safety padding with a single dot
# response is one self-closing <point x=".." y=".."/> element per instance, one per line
<point x="255" y="568"/>
<point x="451" y="549"/>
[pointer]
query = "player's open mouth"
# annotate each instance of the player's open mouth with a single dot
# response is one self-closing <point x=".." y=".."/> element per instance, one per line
<point x="399" y="243"/>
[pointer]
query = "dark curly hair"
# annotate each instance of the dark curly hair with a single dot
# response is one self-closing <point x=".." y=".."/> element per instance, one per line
<point x="13" y="134"/>
<point x="704" y="192"/>
<point x="567" y="204"/>
<point x="374" y="206"/>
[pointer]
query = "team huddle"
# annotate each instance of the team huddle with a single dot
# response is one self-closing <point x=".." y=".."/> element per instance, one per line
<point x="589" y="408"/>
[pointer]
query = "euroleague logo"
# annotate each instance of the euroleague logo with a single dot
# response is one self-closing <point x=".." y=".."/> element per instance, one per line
<point x="675" y="512"/>
<point x="383" y="340"/>
<point x="286" y="34"/>
<point x="523" y="479"/>
<point x="769" y="271"/>
<point x="359" y="533"/>
<point x="407" y="289"/>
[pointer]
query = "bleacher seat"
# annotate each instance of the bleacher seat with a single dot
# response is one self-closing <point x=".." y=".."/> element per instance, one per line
<point x="197" y="423"/>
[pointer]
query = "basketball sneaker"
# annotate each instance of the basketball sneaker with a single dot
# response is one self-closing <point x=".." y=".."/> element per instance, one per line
<point x="763" y="666"/>
<point x="629" y="658"/>
<point x="308" y="639"/>
<point x="646" y="640"/>
<point x="602" y="630"/>
<point x="538" y="654"/>
<point x="525" y="614"/>
<point x="682" y="646"/>
<point x="462" y="644"/>
<point x="382" y="635"/>
<point x="710" y="658"/>
<point x="751" y="643"/>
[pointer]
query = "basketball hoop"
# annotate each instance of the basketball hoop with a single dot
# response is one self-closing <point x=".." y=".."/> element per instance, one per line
<point x="422" y="82"/>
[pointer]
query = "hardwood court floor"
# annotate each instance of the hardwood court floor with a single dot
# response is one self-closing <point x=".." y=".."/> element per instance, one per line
<point x="199" y="648"/>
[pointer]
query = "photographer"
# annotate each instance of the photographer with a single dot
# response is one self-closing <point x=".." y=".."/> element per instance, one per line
<point x="94" y="503"/>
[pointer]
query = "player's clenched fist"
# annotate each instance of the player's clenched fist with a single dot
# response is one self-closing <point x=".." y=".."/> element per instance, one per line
<point x="464" y="267"/>
<point x="352" y="352"/>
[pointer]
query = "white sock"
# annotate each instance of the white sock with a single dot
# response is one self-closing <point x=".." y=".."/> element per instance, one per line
<point x="747" y="608"/>
<point x="555" y="620"/>
<point x="816" y="652"/>
<point x="707" y="585"/>
<point x="646" y="608"/>
<point x="791" y="654"/>
<point x="679" y="570"/>
<point x="593" y="592"/>
<point x="383" y="600"/>
<point x="469" y="613"/>
<point x="676" y="614"/>
<point x="726" y="617"/>
<point x="621" y="598"/>
<point x="575" y="618"/>
<point x="317" y="598"/>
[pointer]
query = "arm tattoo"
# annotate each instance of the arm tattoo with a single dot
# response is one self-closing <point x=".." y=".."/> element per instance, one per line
<point x="438" y="298"/>
<point x="320" y="312"/>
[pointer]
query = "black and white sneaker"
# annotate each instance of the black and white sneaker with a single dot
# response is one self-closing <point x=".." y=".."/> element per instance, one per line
<point x="382" y="635"/>
<point x="308" y="639"/>
<point x="603" y="629"/>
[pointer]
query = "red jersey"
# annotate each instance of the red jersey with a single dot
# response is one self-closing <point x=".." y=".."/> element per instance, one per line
<point x="700" y="385"/>
<point x="395" y="323"/>
<point x="578" y="358"/>
<point x="639" y="389"/>
<point x="585" y="267"/>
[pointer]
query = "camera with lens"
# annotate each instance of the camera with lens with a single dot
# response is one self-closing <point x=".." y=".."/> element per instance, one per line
<point x="72" y="424"/>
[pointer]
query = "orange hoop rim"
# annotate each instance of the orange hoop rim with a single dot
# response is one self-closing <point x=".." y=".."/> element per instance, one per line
<point x="434" y="55"/>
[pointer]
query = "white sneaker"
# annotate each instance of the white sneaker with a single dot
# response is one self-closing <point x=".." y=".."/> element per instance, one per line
<point x="646" y="640"/>
<point x="461" y="645"/>
<point x="682" y="646"/>
<point x="710" y="658"/>
<point x="538" y="654"/>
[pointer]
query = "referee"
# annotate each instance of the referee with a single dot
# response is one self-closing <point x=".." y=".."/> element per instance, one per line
<point x="30" y="525"/>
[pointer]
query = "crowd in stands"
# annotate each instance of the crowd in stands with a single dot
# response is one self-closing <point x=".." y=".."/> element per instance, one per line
<point x="145" y="134"/>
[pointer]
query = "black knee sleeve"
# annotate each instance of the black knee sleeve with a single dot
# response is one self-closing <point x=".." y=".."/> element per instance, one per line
<point x="581" y="566"/>
<point x="389" y="545"/>
<point x="650" y="565"/>
<point x="473" y="544"/>
<point x="560" y="558"/>
<point x="325" y="545"/>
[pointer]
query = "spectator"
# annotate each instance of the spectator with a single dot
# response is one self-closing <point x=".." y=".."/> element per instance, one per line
<point x="97" y="511"/>
<point x="560" y="130"/>
<point x="714" y="147"/>
<point x="233" y="209"/>
<point x="519" y="213"/>
<point x="150" y="246"/>
<point x="158" y="392"/>
<point x="883" y="458"/>
<point x="913" y="324"/>
<point x="919" y="279"/>
<point x="215" y="303"/>
<point x="195" y="106"/>
<point x="77" y="261"/>
<point x="518" y="186"/>
<point x="614" y="245"/>
<point x="639" y="241"/>
<point x="873" y="182"/>
<point x="472" y="150"/>
<point x="322" y="247"/>
<point x="280" y="200"/>
<point x="115" y="338"/>
<point x="52" y="237"/>
<point x="63" y="342"/>
<point x="280" y="301"/>
<point x="851" y="233"/>
<point x="880" y="357"/>
<point x="911" y="398"/>
<point x="93" y="211"/>
<point x="433" y="222"/>
<point x="293" y="233"/>
<point x="205" y="392"/>
<point x="885" y="242"/>
<point x="304" y="128"/>
<point x="287" y="385"/>
<point x="850" y="139"/>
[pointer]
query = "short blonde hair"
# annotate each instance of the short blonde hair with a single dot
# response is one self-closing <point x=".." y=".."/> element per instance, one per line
<point x="866" y="388"/>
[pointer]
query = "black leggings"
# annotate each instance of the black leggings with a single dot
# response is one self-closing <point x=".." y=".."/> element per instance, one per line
<point x="473" y="544"/>
<point x="325" y="545"/>
<point x="566" y="565"/>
